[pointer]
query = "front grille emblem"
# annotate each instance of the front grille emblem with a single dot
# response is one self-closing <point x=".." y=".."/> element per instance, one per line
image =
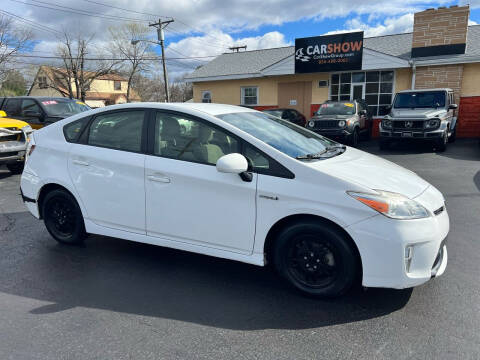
<point x="408" y="124"/>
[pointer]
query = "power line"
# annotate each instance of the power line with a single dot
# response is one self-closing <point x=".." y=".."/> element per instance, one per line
<point x="128" y="10"/>
<point x="111" y="58"/>
<point x="31" y="23"/>
<point x="77" y="11"/>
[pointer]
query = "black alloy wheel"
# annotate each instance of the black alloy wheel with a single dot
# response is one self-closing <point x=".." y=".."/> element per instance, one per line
<point x="316" y="258"/>
<point x="63" y="218"/>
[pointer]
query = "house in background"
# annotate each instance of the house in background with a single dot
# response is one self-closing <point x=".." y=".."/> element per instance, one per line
<point x="105" y="90"/>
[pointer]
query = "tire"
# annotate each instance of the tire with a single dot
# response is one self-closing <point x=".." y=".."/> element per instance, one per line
<point x="441" y="144"/>
<point x="315" y="259"/>
<point x="63" y="218"/>
<point x="355" y="138"/>
<point x="384" y="144"/>
<point x="453" y="136"/>
<point x="15" y="168"/>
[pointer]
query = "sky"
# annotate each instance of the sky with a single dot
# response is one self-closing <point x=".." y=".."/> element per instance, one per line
<point x="206" y="28"/>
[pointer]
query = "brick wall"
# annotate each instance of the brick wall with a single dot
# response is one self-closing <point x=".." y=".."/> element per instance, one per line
<point x="442" y="26"/>
<point x="444" y="76"/>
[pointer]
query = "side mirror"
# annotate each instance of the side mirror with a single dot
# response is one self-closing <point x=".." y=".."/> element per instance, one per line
<point x="3" y="114"/>
<point x="388" y="107"/>
<point x="363" y="112"/>
<point x="452" y="106"/>
<point x="232" y="163"/>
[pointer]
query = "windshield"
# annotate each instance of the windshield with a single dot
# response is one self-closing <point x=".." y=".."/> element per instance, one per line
<point x="340" y="108"/>
<point x="420" y="99"/>
<point x="280" y="134"/>
<point x="64" y="108"/>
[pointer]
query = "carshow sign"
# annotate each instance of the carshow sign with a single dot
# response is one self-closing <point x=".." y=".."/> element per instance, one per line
<point x="329" y="53"/>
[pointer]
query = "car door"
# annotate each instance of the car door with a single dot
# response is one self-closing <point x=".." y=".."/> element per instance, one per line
<point x="362" y="115"/>
<point x="187" y="199"/>
<point x="107" y="169"/>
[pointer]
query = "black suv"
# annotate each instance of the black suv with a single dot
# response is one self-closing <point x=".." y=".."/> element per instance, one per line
<point x="342" y="120"/>
<point x="39" y="111"/>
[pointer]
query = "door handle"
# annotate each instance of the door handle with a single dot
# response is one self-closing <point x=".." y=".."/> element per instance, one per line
<point x="162" y="179"/>
<point x="80" y="162"/>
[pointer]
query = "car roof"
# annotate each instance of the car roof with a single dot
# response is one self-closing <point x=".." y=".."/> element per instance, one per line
<point x="425" y="90"/>
<point x="212" y="109"/>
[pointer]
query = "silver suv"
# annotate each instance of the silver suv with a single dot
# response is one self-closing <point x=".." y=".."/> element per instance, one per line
<point x="426" y="114"/>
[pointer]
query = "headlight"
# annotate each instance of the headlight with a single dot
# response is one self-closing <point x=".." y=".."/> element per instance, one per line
<point x="311" y="123"/>
<point x="432" y="123"/>
<point x="341" y="123"/>
<point x="387" y="124"/>
<point x="392" y="205"/>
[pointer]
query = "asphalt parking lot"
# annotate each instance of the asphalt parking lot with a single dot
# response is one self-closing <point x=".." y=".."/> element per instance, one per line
<point x="114" y="299"/>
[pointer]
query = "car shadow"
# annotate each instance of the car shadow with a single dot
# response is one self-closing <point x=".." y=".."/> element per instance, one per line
<point x="141" y="279"/>
<point x="462" y="149"/>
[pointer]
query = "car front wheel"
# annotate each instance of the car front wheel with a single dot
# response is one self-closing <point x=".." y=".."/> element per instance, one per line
<point x="441" y="144"/>
<point x="63" y="218"/>
<point x="316" y="259"/>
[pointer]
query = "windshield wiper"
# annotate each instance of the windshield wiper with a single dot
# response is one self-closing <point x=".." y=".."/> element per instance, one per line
<point x="312" y="156"/>
<point x="319" y="154"/>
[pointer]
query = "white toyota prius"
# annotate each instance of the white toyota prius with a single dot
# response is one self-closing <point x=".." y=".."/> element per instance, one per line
<point x="236" y="183"/>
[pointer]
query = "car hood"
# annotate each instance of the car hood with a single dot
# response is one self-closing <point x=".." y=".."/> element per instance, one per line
<point x="416" y="113"/>
<point x="372" y="172"/>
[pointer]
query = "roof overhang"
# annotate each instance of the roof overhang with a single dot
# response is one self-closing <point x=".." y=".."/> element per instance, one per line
<point x="222" y="77"/>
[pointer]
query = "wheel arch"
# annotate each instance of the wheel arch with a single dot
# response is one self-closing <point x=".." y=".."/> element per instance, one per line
<point x="45" y="189"/>
<point x="291" y="219"/>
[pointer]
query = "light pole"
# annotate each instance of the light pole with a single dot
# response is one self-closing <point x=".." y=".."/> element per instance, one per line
<point x="160" y="26"/>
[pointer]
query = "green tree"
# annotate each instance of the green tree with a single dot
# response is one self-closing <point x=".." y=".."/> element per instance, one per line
<point x="14" y="84"/>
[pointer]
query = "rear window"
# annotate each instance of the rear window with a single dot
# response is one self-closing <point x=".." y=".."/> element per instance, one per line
<point x="73" y="130"/>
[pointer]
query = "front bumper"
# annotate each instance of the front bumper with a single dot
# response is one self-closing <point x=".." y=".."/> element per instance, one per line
<point x="12" y="151"/>
<point x="340" y="133"/>
<point x="420" y="134"/>
<point x="403" y="253"/>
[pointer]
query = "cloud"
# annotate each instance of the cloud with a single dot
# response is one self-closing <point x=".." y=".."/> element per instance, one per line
<point x="392" y="25"/>
<point x="471" y="22"/>
<point x="198" y="46"/>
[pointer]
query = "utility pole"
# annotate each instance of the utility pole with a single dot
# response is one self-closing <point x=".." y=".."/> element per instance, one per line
<point x="160" y="25"/>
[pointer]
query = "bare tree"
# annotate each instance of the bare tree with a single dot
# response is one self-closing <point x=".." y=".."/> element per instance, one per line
<point x="74" y="78"/>
<point x="12" y="41"/>
<point x="136" y="54"/>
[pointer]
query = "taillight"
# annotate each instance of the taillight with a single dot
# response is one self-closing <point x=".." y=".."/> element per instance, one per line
<point x="30" y="151"/>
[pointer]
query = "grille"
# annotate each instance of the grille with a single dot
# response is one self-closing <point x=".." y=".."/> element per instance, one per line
<point x="8" y="154"/>
<point x="408" y="124"/>
<point x="326" y="124"/>
<point x="9" y="138"/>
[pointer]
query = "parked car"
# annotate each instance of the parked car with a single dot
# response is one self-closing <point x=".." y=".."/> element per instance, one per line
<point x="345" y="121"/>
<point x="237" y="184"/>
<point x="14" y="135"/>
<point x="426" y="115"/>
<point x="291" y="115"/>
<point x="39" y="111"/>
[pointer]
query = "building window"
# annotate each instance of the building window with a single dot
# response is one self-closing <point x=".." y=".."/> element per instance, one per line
<point x="117" y="85"/>
<point x="250" y="95"/>
<point x="206" y="97"/>
<point x="42" y="82"/>
<point x="378" y="87"/>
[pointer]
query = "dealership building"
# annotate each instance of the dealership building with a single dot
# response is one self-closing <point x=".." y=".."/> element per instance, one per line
<point x="441" y="52"/>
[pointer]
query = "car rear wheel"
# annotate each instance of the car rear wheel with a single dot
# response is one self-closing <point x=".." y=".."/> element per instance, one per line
<point x="15" y="168"/>
<point x="63" y="218"/>
<point x="316" y="259"/>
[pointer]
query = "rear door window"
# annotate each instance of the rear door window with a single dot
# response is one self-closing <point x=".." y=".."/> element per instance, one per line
<point x="12" y="107"/>
<point x="120" y="130"/>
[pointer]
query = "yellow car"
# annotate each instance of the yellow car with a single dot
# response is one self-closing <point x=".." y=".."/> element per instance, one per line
<point x="14" y="137"/>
